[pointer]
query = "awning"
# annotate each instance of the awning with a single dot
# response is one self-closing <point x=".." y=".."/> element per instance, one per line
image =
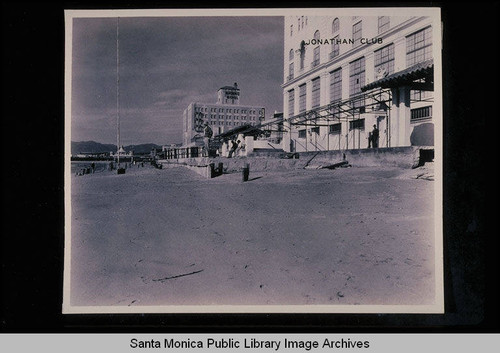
<point x="406" y="77"/>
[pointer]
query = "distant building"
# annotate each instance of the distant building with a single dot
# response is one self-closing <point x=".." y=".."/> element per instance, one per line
<point x="342" y="75"/>
<point x="222" y="116"/>
<point x="122" y="153"/>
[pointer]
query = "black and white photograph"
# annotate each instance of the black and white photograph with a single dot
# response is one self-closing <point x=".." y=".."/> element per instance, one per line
<point x="253" y="161"/>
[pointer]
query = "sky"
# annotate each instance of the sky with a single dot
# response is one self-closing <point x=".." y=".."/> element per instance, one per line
<point x="165" y="63"/>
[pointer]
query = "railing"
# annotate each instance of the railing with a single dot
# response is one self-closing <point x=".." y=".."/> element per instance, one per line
<point x="191" y="152"/>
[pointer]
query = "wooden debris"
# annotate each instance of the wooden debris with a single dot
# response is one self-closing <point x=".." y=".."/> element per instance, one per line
<point x="176" y="276"/>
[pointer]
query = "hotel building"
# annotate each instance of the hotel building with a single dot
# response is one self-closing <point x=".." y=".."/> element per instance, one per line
<point x="342" y="75"/>
<point x="222" y="116"/>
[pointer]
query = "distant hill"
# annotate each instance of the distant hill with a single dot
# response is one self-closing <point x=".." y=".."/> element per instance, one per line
<point x="96" y="147"/>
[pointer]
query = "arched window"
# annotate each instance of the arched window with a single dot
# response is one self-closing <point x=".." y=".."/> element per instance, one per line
<point x="316" y="53"/>
<point x="290" y="66"/>
<point x="335" y="25"/>
<point x="302" y="54"/>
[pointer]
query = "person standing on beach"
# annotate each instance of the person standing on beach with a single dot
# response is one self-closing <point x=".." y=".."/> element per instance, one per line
<point x="93" y="167"/>
<point x="234" y="146"/>
<point x="375" y="137"/>
<point x="206" y="139"/>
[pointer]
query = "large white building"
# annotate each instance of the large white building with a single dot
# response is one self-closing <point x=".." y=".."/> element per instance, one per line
<point x="222" y="116"/>
<point x="342" y="75"/>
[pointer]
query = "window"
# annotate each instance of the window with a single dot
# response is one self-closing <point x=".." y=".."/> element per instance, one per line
<point x="358" y="124"/>
<point x="302" y="98"/>
<point x="335" y="48"/>
<point x="356" y="76"/>
<point x="315" y="130"/>
<point x="302" y="134"/>
<point x="336" y="128"/>
<point x="291" y="102"/>
<point x="316" y="87"/>
<point x="336" y="85"/>
<point x="418" y="95"/>
<point x="421" y="113"/>
<point x="335" y="26"/>
<point x="302" y="54"/>
<point x="316" y="54"/>
<point x="384" y="59"/>
<point x="383" y="23"/>
<point x="356" y="34"/>
<point x="290" y="54"/>
<point x="357" y="80"/>
<point x="419" y="46"/>
<point x="290" y="71"/>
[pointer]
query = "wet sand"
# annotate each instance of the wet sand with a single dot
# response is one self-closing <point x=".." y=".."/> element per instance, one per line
<point x="171" y="237"/>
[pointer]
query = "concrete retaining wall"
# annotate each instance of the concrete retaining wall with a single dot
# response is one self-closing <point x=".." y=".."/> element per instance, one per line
<point x="201" y="169"/>
<point x="403" y="157"/>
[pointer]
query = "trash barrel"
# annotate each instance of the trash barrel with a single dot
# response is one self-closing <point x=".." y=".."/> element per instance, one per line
<point x="246" y="172"/>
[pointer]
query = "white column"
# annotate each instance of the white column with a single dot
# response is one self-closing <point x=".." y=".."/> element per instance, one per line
<point x="345" y="81"/>
<point x="369" y="68"/>
<point x="404" y="116"/>
<point x="394" y="124"/>
<point x="285" y="142"/>
<point x="325" y="88"/>
<point x="400" y="117"/>
<point x="345" y="95"/>
<point x="324" y="100"/>
<point x="399" y="54"/>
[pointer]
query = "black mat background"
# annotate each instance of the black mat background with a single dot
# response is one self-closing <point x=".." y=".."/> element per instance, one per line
<point x="33" y="196"/>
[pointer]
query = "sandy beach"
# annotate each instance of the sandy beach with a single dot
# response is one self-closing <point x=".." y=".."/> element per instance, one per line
<point x="171" y="237"/>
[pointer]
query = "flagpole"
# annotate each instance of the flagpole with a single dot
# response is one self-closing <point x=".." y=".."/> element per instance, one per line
<point x="118" y="91"/>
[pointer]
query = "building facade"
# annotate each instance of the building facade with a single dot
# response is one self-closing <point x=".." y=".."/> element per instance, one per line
<point x="343" y="75"/>
<point x="222" y="116"/>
